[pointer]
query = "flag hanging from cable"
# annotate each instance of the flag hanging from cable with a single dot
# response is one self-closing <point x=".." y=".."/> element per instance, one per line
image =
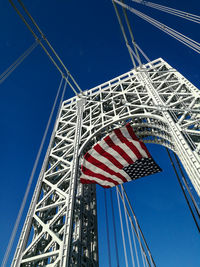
<point x="118" y="158"/>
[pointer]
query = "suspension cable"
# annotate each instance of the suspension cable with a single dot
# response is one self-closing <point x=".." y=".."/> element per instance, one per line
<point x="17" y="62"/>
<point x="127" y="227"/>
<point x="161" y="26"/>
<point x="178" y="178"/>
<point x="131" y="34"/>
<point x="137" y="233"/>
<point x="172" y="11"/>
<point x="136" y="47"/>
<point x="19" y="216"/>
<point x="134" y="54"/>
<point x="135" y="247"/>
<point x="122" y="229"/>
<point x="175" y="34"/>
<point x="186" y="185"/>
<point x="139" y="230"/>
<point x="68" y="74"/>
<point x="143" y="53"/>
<point x="114" y="228"/>
<point x="123" y="32"/>
<point x="107" y="228"/>
<point x="48" y="43"/>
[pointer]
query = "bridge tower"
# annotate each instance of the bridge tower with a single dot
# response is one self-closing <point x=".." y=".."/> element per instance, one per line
<point x="61" y="225"/>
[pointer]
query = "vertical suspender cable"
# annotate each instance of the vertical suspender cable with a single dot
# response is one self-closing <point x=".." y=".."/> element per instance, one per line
<point x="128" y="231"/>
<point x="188" y="189"/>
<point x="114" y="228"/>
<point x="16" y="225"/>
<point x="183" y="190"/>
<point x="138" y="237"/>
<point x="139" y="228"/>
<point x="121" y="223"/>
<point x="136" y="252"/>
<point x="107" y="228"/>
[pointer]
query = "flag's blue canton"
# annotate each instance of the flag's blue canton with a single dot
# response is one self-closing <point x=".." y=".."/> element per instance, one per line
<point x="142" y="167"/>
<point x="118" y="158"/>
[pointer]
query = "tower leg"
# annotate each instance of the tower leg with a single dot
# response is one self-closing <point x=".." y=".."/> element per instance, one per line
<point x="61" y="225"/>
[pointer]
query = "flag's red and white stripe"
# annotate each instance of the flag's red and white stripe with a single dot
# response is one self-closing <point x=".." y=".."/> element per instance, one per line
<point x="104" y="163"/>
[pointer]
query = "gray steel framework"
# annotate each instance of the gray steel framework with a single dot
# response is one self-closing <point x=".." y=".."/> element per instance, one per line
<point x="164" y="107"/>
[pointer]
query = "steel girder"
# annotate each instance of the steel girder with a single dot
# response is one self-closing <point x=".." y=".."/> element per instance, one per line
<point x="164" y="107"/>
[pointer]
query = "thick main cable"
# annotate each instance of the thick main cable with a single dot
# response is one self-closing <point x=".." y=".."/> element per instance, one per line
<point x="16" y="225"/>
<point x="44" y="48"/>
<point x="134" y="54"/>
<point x="175" y="34"/>
<point x="169" y="10"/>
<point x="123" y="33"/>
<point x="50" y="46"/>
<point x="161" y="26"/>
<point x="17" y="62"/>
<point x="131" y="34"/>
<point x="143" y="53"/>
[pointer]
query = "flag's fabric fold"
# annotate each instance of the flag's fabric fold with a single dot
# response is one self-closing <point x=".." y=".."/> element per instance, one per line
<point x="118" y="158"/>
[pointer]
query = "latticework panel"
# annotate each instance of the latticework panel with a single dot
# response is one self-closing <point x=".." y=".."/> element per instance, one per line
<point x="41" y="242"/>
<point x="127" y="96"/>
<point x="163" y="108"/>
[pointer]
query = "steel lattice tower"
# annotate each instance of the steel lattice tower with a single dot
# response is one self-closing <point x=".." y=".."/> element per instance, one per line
<point x="61" y="225"/>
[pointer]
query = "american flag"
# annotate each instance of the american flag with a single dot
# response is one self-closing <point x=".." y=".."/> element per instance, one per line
<point x="118" y="158"/>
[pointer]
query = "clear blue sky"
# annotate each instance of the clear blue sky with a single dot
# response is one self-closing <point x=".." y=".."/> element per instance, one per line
<point x="87" y="37"/>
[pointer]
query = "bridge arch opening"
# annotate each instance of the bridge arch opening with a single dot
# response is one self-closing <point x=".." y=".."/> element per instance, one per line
<point x="149" y="128"/>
